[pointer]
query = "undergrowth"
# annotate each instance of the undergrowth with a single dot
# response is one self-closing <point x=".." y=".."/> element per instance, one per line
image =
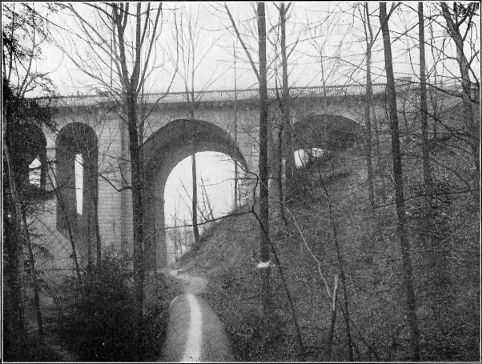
<point x="97" y="317"/>
<point x="371" y="257"/>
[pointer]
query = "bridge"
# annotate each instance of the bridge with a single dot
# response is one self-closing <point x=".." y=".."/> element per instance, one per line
<point x="91" y="132"/>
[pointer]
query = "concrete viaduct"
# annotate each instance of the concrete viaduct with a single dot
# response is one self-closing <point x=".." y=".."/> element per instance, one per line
<point x="92" y="129"/>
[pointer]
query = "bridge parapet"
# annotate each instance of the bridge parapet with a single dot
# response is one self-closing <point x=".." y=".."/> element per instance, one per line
<point x="221" y="95"/>
<point x="245" y="94"/>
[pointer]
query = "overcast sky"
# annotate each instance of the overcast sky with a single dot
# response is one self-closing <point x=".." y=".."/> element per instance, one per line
<point x="335" y="26"/>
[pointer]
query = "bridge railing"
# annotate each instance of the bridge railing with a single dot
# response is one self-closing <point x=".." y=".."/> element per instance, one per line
<point x="230" y="95"/>
<point x="220" y="95"/>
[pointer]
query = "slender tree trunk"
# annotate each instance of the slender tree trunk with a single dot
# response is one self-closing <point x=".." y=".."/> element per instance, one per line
<point x="130" y="83"/>
<point x="427" y="175"/>
<point x="36" y="288"/>
<point x="280" y="170"/>
<point x="331" y="331"/>
<point x="236" y="193"/>
<point x="324" y="126"/>
<point x="195" y="226"/>
<point x="341" y="264"/>
<point x="14" y="250"/>
<point x="96" y="222"/>
<point x="287" y="136"/>
<point x="138" y="215"/>
<point x="435" y="254"/>
<point x="399" y="194"/>
<point x="368" y="105"/>
<point x="263" y="158"/>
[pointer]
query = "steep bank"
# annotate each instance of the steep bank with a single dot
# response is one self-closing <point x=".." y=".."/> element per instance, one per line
<point x="369" y="254"/>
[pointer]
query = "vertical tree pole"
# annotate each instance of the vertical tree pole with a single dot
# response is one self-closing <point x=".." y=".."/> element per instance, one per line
<point x="263" y="159"/>
<point x="368" y="102"/>
<point x="399" y="196"/>
<point x="195" y="226"/>
<point x="235" y="130"/>
<point x="427" y="176"/>
<point x="14" y="250"/>
<point x="289" y="166"/>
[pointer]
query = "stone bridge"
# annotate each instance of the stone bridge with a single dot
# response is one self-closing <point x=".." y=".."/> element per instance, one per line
<point x="92" y="133"/>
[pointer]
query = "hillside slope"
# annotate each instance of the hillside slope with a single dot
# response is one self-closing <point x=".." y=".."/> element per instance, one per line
<point x="369" y="254"/>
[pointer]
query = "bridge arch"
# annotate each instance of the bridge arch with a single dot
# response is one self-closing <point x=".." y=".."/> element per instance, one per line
<point x="76" y="152"/>
<point x="164" y="149"/>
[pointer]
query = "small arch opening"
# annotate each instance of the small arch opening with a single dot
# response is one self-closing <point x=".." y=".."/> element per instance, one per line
<point x="79" y="182"/>
<point x="34" y="172"/>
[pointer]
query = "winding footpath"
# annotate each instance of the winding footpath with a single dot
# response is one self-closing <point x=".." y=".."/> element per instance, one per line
<point x="195" y="333"/>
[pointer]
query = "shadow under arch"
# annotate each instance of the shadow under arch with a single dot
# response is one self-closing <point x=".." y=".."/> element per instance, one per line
<point x="341" y="132"/>
<point x="74" y="139"/>
<point x="162" y="151"/>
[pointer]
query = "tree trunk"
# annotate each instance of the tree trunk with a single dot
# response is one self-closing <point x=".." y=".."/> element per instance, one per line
<point x="368" y="104"/>
<point x="287" y="136"/>
<point x="399" y="194"/>
<point x="236" y="193"/>
<point x="427" y="175"/>
<point x="96" y="222"/>
<point x="195" y="226"/>
<point x="14" y="254"/>
<point x="36" y="288"/>
<point x="263" y="159"/>
<point x="137" y="213"/>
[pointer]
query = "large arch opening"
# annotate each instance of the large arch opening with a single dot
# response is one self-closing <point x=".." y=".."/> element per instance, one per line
<point x="163" y="151"/>
<point x="215" y="196"/>
<point x="314" y="135"/>
<point x="76" y="179"/>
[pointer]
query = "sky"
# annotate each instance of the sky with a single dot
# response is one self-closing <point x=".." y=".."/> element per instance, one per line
<point x="215" y="181"/>
<point x="334" y="26"/>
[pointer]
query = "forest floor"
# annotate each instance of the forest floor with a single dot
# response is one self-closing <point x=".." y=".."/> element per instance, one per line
<point x="369" y="254"/>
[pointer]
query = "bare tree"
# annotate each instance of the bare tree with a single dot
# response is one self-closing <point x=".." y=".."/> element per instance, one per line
<point x="427" y="173"/>
<point x="461" y="15"/>
<point x="121" y="39"/>
<point x="188" y="34"/>
<point x="369" y="40"/>
<point x="287" y="134"/>
<point x="399" y="193"/>
<point x="187" y="43"/>
<point x="261" y="75"/>
<point x="263" y="155"/>
<point x="23" y="35"/>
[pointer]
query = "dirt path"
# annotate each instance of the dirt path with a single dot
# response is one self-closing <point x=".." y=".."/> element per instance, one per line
<point x="195" y="333"/>
<point x="190" y="283"/>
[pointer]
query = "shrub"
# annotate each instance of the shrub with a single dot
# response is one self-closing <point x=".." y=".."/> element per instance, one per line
<point x="98" y="320"/>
